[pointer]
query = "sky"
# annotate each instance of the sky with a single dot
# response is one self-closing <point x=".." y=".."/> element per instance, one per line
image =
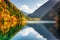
<point x="28" y="6"/>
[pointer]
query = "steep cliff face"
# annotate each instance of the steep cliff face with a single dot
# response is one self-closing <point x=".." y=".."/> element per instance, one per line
<point x="52" y="15"/>
<point x="49" y="16"/>
<point x="44" y="9"/>
<point x="10" y="20"/>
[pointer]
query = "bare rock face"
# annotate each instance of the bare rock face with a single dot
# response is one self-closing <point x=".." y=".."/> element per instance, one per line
<point x="53" y="15"/>
<point x="44" y="9"/>
<point x="53" y="12"/>
<point x="48" y="15"/>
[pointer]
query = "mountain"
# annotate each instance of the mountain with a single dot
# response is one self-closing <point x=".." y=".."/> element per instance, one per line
<point x="25" y="13"/>
<point x="51" y="15"/>
<point x="47" y="12"/>
<point x="44" y="9"/>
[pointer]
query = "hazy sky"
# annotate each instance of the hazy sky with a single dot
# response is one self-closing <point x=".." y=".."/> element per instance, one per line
<point x="28" y="6"/>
